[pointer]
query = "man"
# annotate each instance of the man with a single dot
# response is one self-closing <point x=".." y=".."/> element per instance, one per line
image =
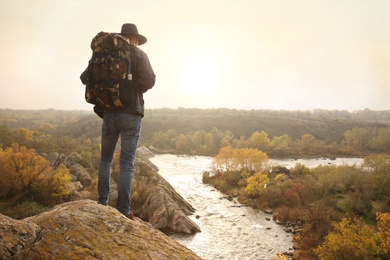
<point x="126" y="124"/>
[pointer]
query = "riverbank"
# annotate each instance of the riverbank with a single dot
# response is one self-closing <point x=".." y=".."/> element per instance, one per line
<point x="229" y="230"/>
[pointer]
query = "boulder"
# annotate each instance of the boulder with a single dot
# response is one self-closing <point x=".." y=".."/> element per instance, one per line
<point x="55" y="159"/>
<point x="79" y="173"/>
<point x="144" y="153"/>
<point x="162" y="206"/>
<point x="85" y="230"/>
<point x="72" y="159"/>
<point x="15" y="236"/>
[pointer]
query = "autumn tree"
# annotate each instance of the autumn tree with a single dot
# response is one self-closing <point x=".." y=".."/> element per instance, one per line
<point x="224" y="159"/>
<point x="5" y="136"/>
<point x="281" y="145"/>
<point x="379" y="163"/>
<point x="256" y="184"/>
<point x="360" y="138"/>
<point x="228" y="139"/>
<point x="351" y="239"/>
<point x="309" y="145"/>
<point x="251" y="160"/>
<point x="24" y="174"/>
<point x="381" y="141"/>
<point x="184" y="143"/>
<point x="24" y="169"/>
<point x="383" y="224"/>
<point x="259" y="140"/>
<point x="55" y="186"/>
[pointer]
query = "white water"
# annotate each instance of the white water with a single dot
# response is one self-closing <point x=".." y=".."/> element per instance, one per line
<point x="229" y="230"/>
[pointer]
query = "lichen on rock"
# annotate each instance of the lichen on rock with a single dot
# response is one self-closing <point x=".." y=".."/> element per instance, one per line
<point x="84" y="229"/>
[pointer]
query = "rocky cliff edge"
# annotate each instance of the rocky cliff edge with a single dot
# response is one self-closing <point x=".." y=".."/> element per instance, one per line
<point x="85" y="230"/>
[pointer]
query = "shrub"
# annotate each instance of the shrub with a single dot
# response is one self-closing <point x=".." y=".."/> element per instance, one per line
<point x="24" y="210"/>
<point x="222" y="186"/>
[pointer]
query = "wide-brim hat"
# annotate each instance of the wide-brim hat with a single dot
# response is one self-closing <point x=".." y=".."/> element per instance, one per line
<point x="129" y="29"/>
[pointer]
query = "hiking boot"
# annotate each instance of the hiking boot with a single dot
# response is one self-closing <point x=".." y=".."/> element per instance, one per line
<point x="104" y="204"/>
<point x="130" y="216"/>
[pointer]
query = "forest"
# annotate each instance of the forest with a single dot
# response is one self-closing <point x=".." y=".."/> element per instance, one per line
<point x="326" y="204"/>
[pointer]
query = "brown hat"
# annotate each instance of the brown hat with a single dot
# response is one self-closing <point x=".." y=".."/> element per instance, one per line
<point x="129" y="29"/>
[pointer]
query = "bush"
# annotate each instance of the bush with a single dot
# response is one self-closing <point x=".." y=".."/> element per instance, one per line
<point x="232" y="178"/>
<point x="206" y="178"/>
<point x="24" y="210"/>
<point x="222" y="186"/>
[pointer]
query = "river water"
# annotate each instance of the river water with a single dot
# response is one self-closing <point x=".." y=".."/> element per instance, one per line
<point x="229" y="229"/>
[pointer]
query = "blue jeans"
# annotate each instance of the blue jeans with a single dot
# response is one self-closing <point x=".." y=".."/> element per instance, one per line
<point x="128" y="127"/>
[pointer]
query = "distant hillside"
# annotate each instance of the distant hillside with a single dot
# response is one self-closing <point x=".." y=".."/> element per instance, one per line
<point x="326" y="125"/>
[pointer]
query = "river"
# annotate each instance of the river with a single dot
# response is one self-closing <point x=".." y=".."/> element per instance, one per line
<point x="229" y="230"/>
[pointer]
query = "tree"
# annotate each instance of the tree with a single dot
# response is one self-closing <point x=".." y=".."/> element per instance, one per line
<point x="256" y="184"/>
<point x="24" y="169"/>
<point x="259" y="140"/>
<point x="250" y="160"/>
<point x="351" y="239"/>
<point x="280" y="178"/>
<point x="28" y="176"/>
<point x="5" y="136"/>
<point x="360" y="138"/>
<point x="383" y="224"/>
<point x="309" y="145"/>
<point x="381" y="142"/>
<point x="184" y="143"/>
<point x="281" y="144"/>
<point x="224" y="159"/>
<point x="55" y="187"/>
<point x="227" y="139"/>
<point x="379" y="163"/>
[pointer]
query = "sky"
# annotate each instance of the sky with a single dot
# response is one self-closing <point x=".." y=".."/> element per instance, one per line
<point x="249" y="54"/>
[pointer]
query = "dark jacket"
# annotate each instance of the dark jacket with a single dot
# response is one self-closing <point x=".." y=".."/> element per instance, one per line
<point x="143" y="80"/>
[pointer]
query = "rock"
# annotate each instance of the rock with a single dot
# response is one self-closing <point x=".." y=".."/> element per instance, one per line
<point x="15" y="236"/>
<point x="163" y="207"/>
<point x="85" y="230"/>
<point x="144" y="153"/>
<point x="166" y="209"/>
<point x="280" y="169"/>
<point x="81" y="175"/>
<point x="145" y="166"/>
<point x="55" y="159"/>
<point x="75" y="188"/>
<point x="156" y="151"/>
<point x="72" y="159"/>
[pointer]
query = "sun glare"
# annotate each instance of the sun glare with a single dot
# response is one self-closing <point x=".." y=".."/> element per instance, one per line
<point x="199" y="76"/>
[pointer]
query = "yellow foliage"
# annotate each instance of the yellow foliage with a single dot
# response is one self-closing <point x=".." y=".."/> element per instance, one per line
<point x="224" y="159"/>
<point x="59" y="181"/>
<point x="23" y="168"/>
<point x="28" y="175"/>
<point x="383" y="224"/>
<point x="256" y="184"/>
<point x="230" y="159"/>
<point x="350" y="240"/>
<point x="280" y="178"/>
<point x="25" y="133"/>
<point x="282" y="257"/>
<point x="259" y="140"/>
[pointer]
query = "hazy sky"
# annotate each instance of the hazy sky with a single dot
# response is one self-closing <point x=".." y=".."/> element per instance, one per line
<point x="249" y="54"/>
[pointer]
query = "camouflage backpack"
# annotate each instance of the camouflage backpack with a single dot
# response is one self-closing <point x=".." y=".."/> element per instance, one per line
<point x="108" y="77"/>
